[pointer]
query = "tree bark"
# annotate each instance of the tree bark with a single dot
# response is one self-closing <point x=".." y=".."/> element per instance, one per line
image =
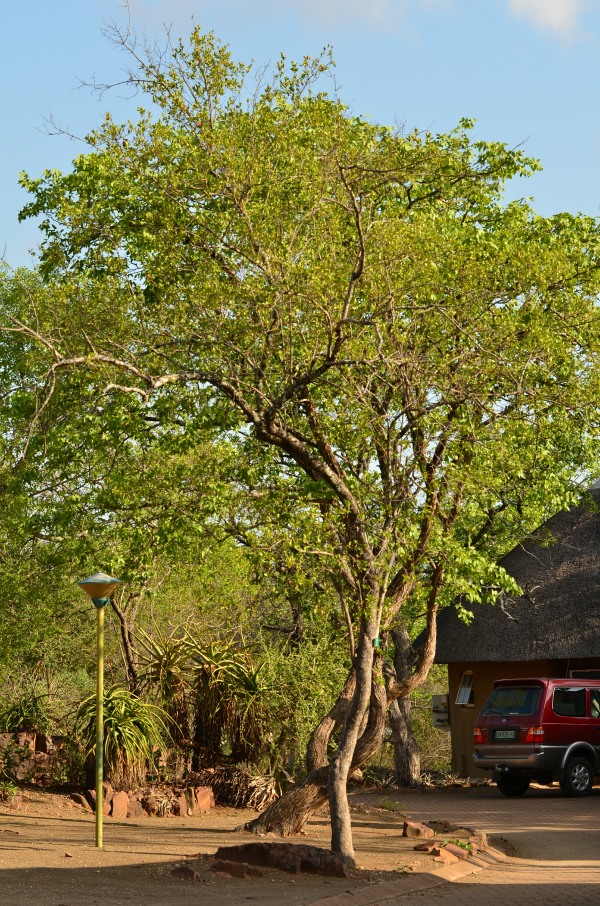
<point x="126" y="616"/>
<point x="407" y="759"/>
<point x="316" y="752"/>
<point x="341" y="825"/>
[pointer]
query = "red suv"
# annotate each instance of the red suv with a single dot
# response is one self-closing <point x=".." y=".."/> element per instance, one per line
<point x="542" y="730"/>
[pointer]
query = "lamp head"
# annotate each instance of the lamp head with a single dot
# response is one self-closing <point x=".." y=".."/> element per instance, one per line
<point x="99" y="587"/>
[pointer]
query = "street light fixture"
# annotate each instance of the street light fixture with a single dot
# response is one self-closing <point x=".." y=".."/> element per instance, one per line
<point x="100" y="589"/>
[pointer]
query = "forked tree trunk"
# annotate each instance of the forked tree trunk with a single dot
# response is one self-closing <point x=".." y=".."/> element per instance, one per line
<point x="316" y="751"/>
<point x="289" y="814"/>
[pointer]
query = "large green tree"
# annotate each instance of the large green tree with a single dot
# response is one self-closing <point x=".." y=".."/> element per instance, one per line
<point x="417" y="362"/>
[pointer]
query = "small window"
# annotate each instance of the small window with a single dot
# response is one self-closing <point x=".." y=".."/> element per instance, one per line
<point x="465" y="691"/>
<point x="569" y="702"/>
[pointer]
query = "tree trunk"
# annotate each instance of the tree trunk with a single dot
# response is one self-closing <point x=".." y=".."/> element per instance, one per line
<point x="407" y="759"/>
<point x="316" y="751"/>
<point x="341" y="825"/>
<point x="126" y="616"/>
<point x="290" y="813"/>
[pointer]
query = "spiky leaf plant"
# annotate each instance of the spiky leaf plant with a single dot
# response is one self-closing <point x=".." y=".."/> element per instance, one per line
<point x="165" y="667"/>
<point x="133" y="729"/>
<point x="228" y="692"/>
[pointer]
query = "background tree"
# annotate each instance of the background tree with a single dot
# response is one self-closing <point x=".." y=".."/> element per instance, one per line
<point x="420" y="360"/>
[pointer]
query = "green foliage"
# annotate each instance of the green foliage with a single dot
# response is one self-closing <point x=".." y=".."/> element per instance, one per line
<point x="27" y="713"/>
<point x="8" y="791"/>
<point x="303" y="682"/>
<point x="261" y="318"/>
<point x="133" y="730"/>
<point x="434" y="743"/>
<point x="370" y="337"/>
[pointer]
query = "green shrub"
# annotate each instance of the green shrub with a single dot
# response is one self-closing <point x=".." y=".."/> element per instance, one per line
<point x="26" y="713"/>
<point x="133" y="730"/>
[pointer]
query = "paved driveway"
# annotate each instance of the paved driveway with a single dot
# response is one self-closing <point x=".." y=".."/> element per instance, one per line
<point x="542" y="824"/>
<point x="557" y="842"/>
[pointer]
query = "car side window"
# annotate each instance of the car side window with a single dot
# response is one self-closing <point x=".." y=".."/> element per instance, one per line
<point x="569" y="702"/>
<point x="595" y="702"/>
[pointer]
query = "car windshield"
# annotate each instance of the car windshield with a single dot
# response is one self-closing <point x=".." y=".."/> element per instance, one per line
<point x="513" y="700"/>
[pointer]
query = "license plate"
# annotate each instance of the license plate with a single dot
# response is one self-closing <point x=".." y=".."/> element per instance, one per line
<point x="505" y="734"/>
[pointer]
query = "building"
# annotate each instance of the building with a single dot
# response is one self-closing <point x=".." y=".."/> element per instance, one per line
<point x="553" y="629"/>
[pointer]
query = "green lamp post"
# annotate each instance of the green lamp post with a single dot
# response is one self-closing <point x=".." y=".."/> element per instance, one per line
<point x="100" y="588"/>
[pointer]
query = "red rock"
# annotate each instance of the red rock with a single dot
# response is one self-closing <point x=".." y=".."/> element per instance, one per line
<point x="294" y="858"/>
<point x="135" y="809"/>
<point x="426" y="848"/>
<point x="26" y="740"/>
<point x="445" y="857"/>
<point x="205" y="798"/>
<point x="120" y="805"/>
<point x="457" y="851"/>
<point x="480" y="840"/>
<point x="415" y="829"/>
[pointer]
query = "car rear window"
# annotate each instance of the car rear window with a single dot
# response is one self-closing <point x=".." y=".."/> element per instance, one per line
<point x="513" y="700"/>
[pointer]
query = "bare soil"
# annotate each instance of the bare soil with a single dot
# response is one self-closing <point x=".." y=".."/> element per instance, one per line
<point x="47" y="849"/>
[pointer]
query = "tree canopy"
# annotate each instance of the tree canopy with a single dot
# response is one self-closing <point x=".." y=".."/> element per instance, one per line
<point x="407" y="367"/>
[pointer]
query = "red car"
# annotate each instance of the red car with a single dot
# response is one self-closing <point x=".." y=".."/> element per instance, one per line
<point x="542" y="730"/>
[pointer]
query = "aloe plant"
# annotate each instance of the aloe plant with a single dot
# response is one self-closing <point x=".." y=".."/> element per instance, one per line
<point x="133" y="729"/>
<point x="165" y="666"/>
<point x="227" y="703"/>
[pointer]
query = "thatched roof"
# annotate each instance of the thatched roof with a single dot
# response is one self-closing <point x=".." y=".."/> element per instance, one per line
<point x="558" y="568"/>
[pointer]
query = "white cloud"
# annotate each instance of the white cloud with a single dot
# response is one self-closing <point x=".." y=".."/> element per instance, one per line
<point x="560" y="16"/>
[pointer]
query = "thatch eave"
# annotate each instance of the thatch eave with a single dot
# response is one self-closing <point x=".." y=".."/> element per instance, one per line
<point x="558" y="616"/>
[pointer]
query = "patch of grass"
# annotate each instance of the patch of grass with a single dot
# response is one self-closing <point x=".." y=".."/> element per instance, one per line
<point x="391" y="805"/>
<point x="8" y="790"/>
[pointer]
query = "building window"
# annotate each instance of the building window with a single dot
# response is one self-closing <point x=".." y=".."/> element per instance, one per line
<point x="465" y="690"/>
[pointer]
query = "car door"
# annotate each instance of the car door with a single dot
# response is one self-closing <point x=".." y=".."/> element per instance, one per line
<point x="569" y="716"/>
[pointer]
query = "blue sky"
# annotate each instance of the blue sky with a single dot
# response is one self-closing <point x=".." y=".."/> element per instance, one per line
<point x="527" y="70"/>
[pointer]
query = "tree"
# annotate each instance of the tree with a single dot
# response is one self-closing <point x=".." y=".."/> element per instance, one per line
<point x="416" y="362"/>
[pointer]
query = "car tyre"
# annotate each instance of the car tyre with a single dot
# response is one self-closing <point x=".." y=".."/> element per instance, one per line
<point x="512" y="784"/>
<point x="578" y="777"/>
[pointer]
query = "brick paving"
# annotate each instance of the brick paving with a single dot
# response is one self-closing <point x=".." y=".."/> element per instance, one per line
<point x="554" y="840"/>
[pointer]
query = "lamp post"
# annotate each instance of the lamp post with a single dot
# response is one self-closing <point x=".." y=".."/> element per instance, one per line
<point x="100" y="588"/>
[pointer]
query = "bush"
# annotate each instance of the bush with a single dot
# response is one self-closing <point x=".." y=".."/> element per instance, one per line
<point x="133" y="730"/>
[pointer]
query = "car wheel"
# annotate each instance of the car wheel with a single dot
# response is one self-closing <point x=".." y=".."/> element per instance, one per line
<point x="512" y="784"/>
<point x="578" y="778"/>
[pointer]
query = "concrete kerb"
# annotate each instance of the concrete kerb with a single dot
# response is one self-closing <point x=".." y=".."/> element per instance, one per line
<point x="413" y="883"/>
